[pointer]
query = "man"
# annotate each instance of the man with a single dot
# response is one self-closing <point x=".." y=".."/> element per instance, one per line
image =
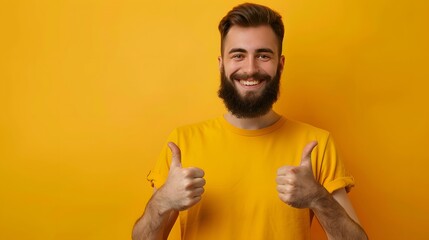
<point x="267" y="176"/>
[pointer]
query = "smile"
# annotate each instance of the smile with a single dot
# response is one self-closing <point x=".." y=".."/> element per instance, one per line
<point x="250" y="82"/>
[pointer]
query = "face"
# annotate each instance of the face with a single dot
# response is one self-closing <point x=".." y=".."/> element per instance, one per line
<point x="250" y="70"/>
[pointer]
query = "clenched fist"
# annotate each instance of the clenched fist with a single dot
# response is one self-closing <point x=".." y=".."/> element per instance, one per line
<point x="184" y="186"/>
<point x="296" y="184"/>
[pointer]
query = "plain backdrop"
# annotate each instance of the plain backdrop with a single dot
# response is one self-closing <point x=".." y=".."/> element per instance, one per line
<point x="89" y="91"/>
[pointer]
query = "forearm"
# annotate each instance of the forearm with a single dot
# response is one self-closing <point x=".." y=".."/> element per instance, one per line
<point x="156" y="222"/>
<point x="335" y="220"/>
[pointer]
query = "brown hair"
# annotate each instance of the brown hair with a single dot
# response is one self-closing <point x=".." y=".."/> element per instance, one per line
<point x="252" y="15"/>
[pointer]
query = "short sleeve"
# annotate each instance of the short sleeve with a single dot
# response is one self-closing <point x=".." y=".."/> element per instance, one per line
<point x="159" y="173"/>
<point x="333" y="174"/>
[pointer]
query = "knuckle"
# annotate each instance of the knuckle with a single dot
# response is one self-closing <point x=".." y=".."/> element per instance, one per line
<point x="202" y="182"/>
<point x="186" y="183"/>
<point x="186" y="203"/>
<point x="186" y="172"/>
<point x="290" y="188"/>
<point x="283" y="197"/>
<point x="196" y="199"/>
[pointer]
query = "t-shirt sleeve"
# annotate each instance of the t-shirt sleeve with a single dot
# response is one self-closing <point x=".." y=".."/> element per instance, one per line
<point x="333" y="174"/>
<point x="159" y="173"/>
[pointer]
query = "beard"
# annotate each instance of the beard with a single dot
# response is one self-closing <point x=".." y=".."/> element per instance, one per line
<point x="252" y="104"/>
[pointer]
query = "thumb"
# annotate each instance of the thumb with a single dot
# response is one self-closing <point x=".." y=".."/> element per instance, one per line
<point x="176" y="160"/>
<point x="306" y="154"/>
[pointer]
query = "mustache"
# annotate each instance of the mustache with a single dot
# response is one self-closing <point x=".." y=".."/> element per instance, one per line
<point x="256" y="76"/>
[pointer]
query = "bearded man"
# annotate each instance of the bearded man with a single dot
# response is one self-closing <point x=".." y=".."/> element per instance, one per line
<point x="252" y="173"/>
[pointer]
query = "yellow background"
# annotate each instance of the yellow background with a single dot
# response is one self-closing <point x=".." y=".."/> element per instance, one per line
<point x="90" y="89"/>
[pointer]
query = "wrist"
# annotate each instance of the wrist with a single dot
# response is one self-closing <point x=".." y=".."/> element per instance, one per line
<point x="161" y="203"/>
<point x="320" y="198"/>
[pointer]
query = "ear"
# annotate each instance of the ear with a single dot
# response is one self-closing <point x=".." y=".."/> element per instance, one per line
<point x="219" y="59"/>
<point x="282" y="62"/>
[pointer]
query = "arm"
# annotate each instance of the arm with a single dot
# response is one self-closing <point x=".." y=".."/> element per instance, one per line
<point x="298" y="188"/>
<point x="156" y="222"/>
<point x="182" y="189"/>
<point x="336" y="215"/>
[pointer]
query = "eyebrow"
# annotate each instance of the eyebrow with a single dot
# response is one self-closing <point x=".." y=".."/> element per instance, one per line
<point x="234" y="50"/>
<point x="259" y="50"/>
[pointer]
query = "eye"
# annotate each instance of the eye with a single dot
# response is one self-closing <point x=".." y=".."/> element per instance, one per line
<point x="237" y="56"/>
<point x="264" y="57"/>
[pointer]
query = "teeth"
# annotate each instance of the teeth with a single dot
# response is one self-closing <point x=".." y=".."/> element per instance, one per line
<point x="249" y="82"/>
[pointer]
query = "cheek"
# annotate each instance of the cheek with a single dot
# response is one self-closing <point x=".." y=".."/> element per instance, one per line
<point x="229" y="70"/>
<point x="270" y="69"/>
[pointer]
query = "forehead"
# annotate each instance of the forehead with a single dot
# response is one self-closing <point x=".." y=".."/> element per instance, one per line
<point x="251" y="38"/>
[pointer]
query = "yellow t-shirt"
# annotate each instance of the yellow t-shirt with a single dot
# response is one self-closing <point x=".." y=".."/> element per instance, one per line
<point x="240" y="199"/>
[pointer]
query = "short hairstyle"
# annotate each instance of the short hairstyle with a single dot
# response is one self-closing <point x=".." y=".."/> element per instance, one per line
<point x="252" y="15"/>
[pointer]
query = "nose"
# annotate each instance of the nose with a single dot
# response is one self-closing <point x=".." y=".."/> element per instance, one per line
<point x="250" y="66"/>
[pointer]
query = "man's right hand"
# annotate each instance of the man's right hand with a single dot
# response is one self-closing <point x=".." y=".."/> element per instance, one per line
<point x="184" y="186"/>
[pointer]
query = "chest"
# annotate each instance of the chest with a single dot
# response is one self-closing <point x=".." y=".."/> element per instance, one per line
<point x="241" y="167"/>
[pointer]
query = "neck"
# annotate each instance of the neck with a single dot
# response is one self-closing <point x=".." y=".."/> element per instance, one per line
<point x="253" y="123"/>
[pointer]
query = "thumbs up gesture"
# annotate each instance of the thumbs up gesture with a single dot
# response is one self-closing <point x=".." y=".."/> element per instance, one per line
<point x="184" y="186"/>
<point x="296" y="185"/>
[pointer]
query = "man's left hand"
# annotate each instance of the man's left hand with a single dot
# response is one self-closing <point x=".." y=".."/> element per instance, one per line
<point x="296" y="184"/>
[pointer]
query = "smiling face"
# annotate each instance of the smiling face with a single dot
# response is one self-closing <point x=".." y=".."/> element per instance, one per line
<point x="250" y="70"/>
